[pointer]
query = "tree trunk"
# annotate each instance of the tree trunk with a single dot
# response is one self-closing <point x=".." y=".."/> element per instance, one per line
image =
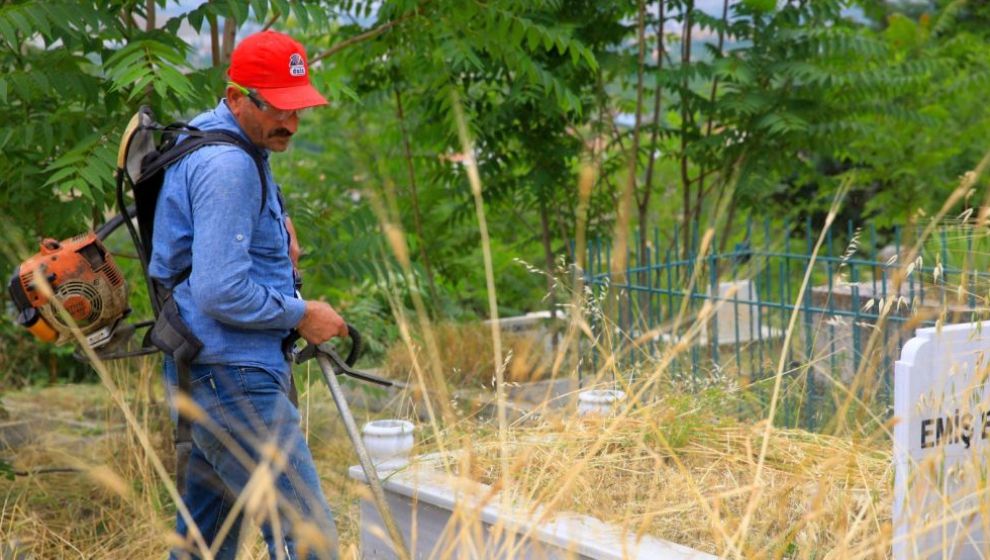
<point x="149" y="25"/>
<point x="414" y="197"/>
<point x="685" y="122"/>
<point x="644" y="203"/>
<point x="149" y="15"/>
<point x="708" y="127"/>
<point x="548" y="253"/>
<point x="229" y="36"/>
<point x="214" y="40"/>
<point x="562" y="230"/>
<point x="620" y="255"/>
<point x="727" y="228"/>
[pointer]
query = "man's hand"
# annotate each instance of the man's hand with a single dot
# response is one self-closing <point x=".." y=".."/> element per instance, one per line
<point x="320" y="323"/>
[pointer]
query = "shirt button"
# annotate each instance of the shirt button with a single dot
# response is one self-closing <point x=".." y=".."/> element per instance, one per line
<point x="239" y="237"/>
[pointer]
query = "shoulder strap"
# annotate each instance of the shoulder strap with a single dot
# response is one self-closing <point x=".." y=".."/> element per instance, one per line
<point x="173" y="151"/>
<point x="199" y="138"/>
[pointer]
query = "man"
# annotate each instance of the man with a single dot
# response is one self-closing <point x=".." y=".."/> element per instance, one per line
<point x="239" y="300"/>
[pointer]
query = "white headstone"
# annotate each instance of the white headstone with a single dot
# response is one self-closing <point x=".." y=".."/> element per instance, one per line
<point x="737" y="317"/>
<point x="942" y="403"/>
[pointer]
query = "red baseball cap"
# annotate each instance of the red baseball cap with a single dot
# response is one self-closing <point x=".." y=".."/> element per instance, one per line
<point x="275" y="65"/>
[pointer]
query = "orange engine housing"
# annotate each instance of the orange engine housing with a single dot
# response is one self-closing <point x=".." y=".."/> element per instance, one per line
<point x="84" y="280"/>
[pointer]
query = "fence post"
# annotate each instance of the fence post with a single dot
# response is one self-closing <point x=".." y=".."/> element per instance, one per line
<point x="854" y="287"/>
<point x="809" y="345"/>
<point x="713" y="321"/>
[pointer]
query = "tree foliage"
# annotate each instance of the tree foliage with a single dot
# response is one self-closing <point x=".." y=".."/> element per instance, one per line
<point x="789" y="97"/>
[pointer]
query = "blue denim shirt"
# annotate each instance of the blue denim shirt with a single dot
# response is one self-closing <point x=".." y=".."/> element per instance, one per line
<point x="239" y="299"/>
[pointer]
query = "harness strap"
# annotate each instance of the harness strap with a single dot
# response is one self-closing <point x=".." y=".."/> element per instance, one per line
<point x="198" y="139"/>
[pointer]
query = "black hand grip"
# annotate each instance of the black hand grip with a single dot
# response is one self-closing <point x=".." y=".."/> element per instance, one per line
<point x="357" y="345"/>
<point x="339" y="365"/>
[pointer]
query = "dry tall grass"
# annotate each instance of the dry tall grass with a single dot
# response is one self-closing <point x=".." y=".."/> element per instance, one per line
<point x="469" y="359"/>
<point x="116" y="506"/>
<point x="684" y="475"/>
<point x="674" y="462"/>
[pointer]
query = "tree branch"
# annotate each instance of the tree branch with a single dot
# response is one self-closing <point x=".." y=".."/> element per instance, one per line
<point x="272" y="21"/>
<point x="360" y="38"/>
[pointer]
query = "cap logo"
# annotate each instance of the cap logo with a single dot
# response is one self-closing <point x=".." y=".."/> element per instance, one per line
<point x="297" y="66"/>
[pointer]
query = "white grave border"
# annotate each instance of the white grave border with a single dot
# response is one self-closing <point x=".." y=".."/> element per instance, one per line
<point x="423" y="499"/>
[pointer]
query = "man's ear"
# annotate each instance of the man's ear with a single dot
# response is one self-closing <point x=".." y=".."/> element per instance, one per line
<point x="235" y="98"/>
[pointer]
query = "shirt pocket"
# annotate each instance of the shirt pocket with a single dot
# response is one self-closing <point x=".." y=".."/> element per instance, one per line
<point x="269" y="235"/>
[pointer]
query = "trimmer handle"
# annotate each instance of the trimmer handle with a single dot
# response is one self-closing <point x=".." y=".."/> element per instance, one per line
<point x="357" y="345"/>
<point x="342" y="365"/>
<point x="310" y="350"/>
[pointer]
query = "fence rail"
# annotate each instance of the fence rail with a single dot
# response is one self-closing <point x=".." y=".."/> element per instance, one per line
<point x="861" y="304"/>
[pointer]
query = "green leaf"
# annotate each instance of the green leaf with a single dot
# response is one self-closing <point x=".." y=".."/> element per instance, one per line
<point x="239" y="10"/>
<point x="160" y="87"/>
<point x="91" y="177"/>
<point x="762" y="6"/>
<point x="40" y="20"/>
<point x="23" y="25"/>
<point x="7" y="470"/>
<point x="8" y="32"/>
<point x="139" y="87"/>
<point x="129" y="77"/>
<point x="83" y="188"/>
<point x="6" y="137"/>
<point x="549" y="44"/>
<point x="173" y="54"/>
<point x="260" y="8"/>
<point x="902" y="32"/>
<point x="532" y="37"/>
<point x="175" y="80"/>
<point x="126" y="55"/>
<point x="282" y="6"/>
<point x="196" y="19"/>
<point x="70" y="158"/>
<point x="60" y="175"/>
<point x="107" y="155"/>
<point x="302" y="14"/>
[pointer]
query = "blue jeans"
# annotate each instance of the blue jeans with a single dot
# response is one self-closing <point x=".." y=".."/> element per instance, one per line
<point x="251" y="428"/>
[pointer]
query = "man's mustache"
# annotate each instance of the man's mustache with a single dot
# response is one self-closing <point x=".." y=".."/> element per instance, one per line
<point x="279" y="132"/>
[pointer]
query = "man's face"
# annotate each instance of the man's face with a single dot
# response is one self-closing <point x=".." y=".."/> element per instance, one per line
<point x="263" y="126"/>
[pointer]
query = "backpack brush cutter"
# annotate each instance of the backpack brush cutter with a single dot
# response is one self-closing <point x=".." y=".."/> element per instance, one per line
<point x="75" y="283"/>
<point x="83" y="280"/>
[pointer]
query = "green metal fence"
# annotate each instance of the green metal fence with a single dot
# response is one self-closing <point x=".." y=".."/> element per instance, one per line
<point x="852" y="319"/>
